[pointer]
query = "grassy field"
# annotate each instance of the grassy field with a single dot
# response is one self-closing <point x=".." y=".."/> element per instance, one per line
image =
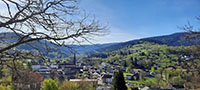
<point x="131" y="81"/>
<point x="127" y="74"/>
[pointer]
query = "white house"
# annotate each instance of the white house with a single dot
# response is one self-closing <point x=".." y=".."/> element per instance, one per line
<point x="107" y="79"/>
<point x="43" y="69"/>
<point x="36" y="67"/>
<point x="54" y="66"/>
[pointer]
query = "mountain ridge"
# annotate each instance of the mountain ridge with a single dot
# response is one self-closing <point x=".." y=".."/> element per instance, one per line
<point x="175" y="39"/>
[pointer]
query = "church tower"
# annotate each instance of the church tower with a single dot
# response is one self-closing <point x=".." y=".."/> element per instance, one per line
<point x="74" y="59"/>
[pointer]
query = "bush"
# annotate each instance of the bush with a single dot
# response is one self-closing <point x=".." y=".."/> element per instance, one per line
<point x="49" y="84"/>
<point x="3" y="87"/>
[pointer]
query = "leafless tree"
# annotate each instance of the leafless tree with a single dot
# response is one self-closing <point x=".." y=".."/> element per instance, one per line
<point x="58" y="21"/>
<point x="194" y="32"/>
<point x="194" y="65"/>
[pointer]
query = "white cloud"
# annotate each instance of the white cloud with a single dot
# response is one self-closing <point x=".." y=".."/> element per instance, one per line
<point x="116" y="35"/>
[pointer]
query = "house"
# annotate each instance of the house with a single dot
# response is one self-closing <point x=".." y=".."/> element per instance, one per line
<point x="69" y="69"/>
<point x="144" y="88"/>
<point x="98" y="71"/>
<point x="107" y="79"/>
<point x="45" y="74"/>
<point x="156" y="67"/>
<point x="43" y="69"/>
<point x="85" y="68"/>
<point x="81" y="64"/>
<point x="117" y="67"/>
<point x="35" y="66"/>
<point x="94" y="81"/>
<point x="166" y="88"/>
<point x="136" y="70"/>
<point x="148" y="74"/>
<point x="103" y="65"/>
<point x="169" y="68"/>
<point x="54" y="66"/>
<point x="86" y="76"/>
<point x="95" y="75"/>
<point x="155" y="87"/>
<point x="136" y="76"/>
<point x="178" y="87"/>
<point x="129" y="77"/>
<point x="134" y="88"/>
<point x="103" y="87"/>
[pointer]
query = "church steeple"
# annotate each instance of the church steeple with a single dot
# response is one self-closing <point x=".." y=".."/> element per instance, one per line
<point x="74" y="59"/>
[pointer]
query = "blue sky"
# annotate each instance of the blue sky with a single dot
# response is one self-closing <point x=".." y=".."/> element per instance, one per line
<point x="134" y="19"/>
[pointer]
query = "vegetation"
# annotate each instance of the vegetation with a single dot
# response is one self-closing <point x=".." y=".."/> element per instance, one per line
<point x="161" y="61"/>
<point x="69" y="86"/>
<point x="49" y="84"/>
<point x="167" y="62"/>
<point x="145" y="56"/>
<point x="76" y="86"/>
<point x="3" y="87"/>
<point x="118" y="81"/>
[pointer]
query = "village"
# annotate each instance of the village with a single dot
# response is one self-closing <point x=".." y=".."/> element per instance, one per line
<point x="99" y="45"/>
<point x="100" y="77"/>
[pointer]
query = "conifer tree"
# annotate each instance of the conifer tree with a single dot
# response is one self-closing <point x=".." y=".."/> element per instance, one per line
<point x="118" y="81"/>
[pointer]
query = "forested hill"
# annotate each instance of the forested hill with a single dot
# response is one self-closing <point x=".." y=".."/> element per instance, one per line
<point x="52" y="51"/>
<point x="46" y="48"/>
<point x="145" y="56"/>
<point x="176" y="39"/>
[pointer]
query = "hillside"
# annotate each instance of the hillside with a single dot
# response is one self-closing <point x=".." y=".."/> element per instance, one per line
<point x="46" y="48"/>
<point x="176" y="39"/>
<point x="51" y="50"/>
<point x="145" y="55"/>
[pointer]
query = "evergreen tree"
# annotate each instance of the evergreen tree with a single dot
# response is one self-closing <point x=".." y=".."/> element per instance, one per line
<point x="114" y="82"/>
<point x="135" y="63"/>
<point x="118" y="81"/>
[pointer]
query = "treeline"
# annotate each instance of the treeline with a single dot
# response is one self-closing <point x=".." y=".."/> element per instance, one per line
<point x="146" y="55"/>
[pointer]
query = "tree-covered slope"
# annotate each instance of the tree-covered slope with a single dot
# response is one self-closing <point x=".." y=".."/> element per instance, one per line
<point x="50" y="50"/>
<point x="176" y="39"/>
<point x="145" y="55"/>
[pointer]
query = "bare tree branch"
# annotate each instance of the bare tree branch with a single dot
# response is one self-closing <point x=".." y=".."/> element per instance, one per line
<point x="52" y="20"/>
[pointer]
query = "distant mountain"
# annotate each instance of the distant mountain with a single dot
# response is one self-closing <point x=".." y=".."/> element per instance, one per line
<point x="176" y="39"/>
<point x="84" y="49"/>
<point x="53" y="50"/>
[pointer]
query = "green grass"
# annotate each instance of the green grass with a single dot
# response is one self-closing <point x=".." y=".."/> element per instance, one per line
<point x="147" y="81"/>
<point x="131" y="81"/>
<point x="135" y="83"/>
<point x="151" y="81"/>
<point x="127" y="74"/>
